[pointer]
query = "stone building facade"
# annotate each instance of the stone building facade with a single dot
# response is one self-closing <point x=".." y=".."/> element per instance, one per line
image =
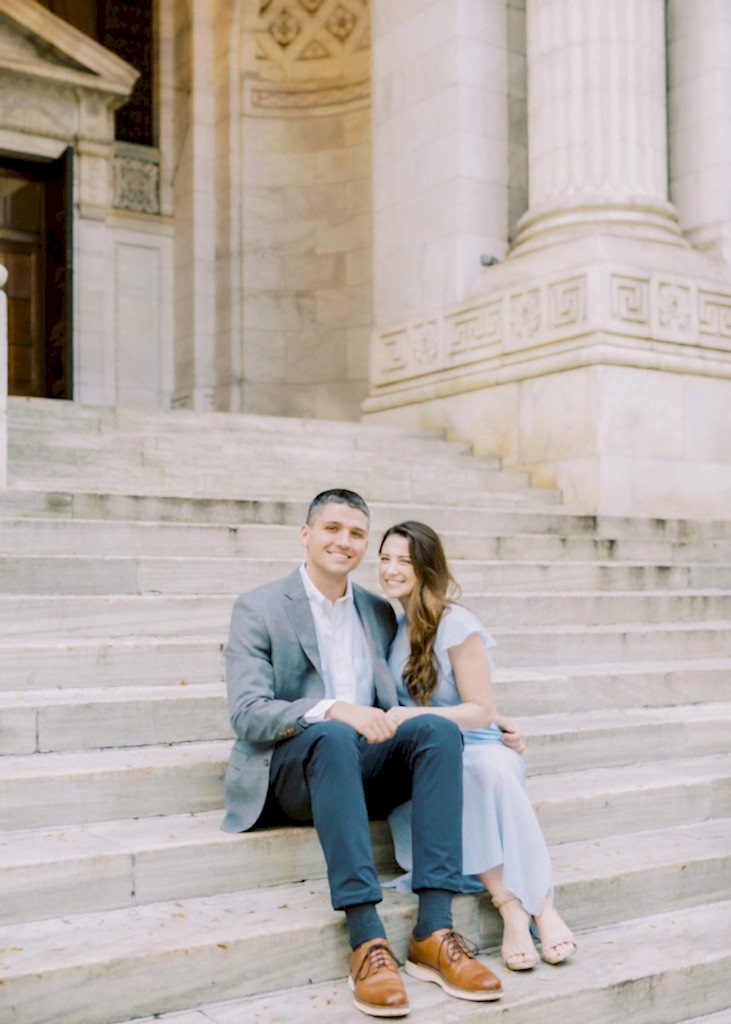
<point x="510" y="219"/>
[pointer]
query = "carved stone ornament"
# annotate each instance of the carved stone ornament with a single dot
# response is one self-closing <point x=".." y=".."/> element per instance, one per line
<point x="714" y="315"/>
<point x="136" y="185"/>
<point x="567" y="302"/>
<point x="673" y="308"/>
<point x="525" y="314"/>
<point x="630" y="299"/>
<point x="425" y="342"/>
<point x="341" y="23"/>
<point x="285" y="28"/>
<point x="322" y="36"/>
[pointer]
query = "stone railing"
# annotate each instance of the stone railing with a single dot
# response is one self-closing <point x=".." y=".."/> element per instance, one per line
<point x="3" y="379"/>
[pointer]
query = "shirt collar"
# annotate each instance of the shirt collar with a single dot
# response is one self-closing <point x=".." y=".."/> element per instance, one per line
<point x="316" y="595"/>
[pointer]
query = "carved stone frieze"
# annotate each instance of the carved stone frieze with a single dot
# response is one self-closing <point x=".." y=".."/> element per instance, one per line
<point x="311" y="47"/>
<point x="630" y="299"/>
<point x="525" y="317"/>
<point x="473" y="333"/>
<point x="391" y="357"/>
<point x="567" y="302"/>
<point x="648" y="315"/>
<point x="136" y="185"/>
<point x="674" y="309"/>
<point x="424" y="339"/>
<point x="714" y="317"/>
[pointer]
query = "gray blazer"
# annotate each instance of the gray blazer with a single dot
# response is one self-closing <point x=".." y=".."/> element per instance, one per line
<point x="274" y="677"/>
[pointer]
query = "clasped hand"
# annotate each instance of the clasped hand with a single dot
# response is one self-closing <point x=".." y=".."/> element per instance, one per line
<point x="372" y="723"/>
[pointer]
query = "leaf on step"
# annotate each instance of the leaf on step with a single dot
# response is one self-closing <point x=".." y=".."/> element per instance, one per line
<point x="222" y="945"/>
<point x="177" y="915"/>
<point x="183" y="682"/>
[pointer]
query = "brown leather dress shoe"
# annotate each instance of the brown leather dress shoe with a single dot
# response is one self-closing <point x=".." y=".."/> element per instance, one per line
<point x="445" y="957"/>
<point x="375" y="980"/>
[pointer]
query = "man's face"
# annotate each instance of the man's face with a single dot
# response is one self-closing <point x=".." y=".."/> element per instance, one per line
<point x="336" y="540"/>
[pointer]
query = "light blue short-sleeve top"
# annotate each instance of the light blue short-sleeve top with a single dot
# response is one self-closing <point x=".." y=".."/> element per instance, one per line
<point x="457" y="623"/>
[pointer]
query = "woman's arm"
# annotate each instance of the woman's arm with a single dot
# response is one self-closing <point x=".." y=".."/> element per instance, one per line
<point x="471" y="667"/>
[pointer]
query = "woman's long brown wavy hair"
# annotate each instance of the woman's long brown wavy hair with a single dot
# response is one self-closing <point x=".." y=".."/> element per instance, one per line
<point x="435" y="590"/>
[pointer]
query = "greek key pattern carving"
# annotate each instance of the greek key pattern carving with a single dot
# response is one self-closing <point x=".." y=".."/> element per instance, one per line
<point x="484" y="333"/>
<point x="392" y="353"/>
<point x="473" y="333"/>
<point x="630" y="299"/>
<point x="136" y="185"/>
<point x="567" y="302"/>
<point x="714" y="317"/>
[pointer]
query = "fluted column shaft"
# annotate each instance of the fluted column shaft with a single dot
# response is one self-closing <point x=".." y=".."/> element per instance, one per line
<point x="597" y="116"/>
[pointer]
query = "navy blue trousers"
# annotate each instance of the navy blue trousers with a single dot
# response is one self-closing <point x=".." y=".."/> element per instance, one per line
<point x="331" y="776"/>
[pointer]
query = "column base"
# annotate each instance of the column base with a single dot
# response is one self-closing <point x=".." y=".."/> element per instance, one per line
<point x="583" y="366"/>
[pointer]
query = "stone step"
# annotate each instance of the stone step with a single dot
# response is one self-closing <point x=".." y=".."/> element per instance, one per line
<point x="115" y="574"/>
<point x="106" y="661"/>
<point x="655" y="970"/>
<point x="38" y="665"/>
<point x="98" y="785"/>
<point x="44" y="536"/>
<point x="99" y="659"/>
<point x="54" y="418"/>
<point x="175" y="955"/>
<point x="524" y="691"/>
<point x="547" y="645"/>
<point x="505" y="493"/>
<point x="488" y="522"/>
<point x="51" y="721"/>
<point x="110" y="865"/>
<point x="42" y="615"/>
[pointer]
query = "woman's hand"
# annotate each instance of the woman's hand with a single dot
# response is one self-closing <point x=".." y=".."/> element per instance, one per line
<point x="398" y="714"/>
<point x="511" y="733"/>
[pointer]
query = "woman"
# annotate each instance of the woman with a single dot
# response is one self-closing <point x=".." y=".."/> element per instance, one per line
<point x="441" y="665"/>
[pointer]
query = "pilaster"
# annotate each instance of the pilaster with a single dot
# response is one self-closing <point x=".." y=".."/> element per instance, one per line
<point x="440" y="147"/>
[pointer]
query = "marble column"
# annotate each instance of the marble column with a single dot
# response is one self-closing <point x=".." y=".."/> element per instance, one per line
<point x="597" y="120"/>
<point x="699" y="95"/>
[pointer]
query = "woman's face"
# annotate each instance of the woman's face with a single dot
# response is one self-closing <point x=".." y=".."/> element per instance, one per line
<point x="396" y="572"/>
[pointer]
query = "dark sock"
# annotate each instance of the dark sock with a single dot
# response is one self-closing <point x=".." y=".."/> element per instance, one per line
<point x="364" y="923"/>
<point x="435" y="911"/>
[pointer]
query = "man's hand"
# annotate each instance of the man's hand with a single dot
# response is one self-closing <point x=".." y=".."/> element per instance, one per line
<point x="372" y="723"/>
<point x="398" y="714"/>
<point x="511" y="733"/>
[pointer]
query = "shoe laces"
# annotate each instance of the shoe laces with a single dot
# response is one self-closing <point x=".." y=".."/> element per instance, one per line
<point x="378" y="957"/>
<point x="456" y="946"/>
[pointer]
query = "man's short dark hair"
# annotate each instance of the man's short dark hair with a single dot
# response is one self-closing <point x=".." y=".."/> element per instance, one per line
<point x="338" y="496"/>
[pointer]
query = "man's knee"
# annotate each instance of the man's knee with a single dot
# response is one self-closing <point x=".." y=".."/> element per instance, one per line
<point x="435" y="729"/>
<point x="335" y="743"/>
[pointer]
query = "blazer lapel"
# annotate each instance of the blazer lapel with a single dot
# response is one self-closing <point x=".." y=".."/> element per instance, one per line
<point x="298" y="610"/>
<point x="385" y="686"/>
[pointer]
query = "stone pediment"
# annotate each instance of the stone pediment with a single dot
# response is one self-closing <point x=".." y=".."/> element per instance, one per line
<point x="36" y="43"/>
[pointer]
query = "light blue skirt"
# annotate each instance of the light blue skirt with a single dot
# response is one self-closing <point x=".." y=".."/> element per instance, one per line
<point x="499" y="825"/>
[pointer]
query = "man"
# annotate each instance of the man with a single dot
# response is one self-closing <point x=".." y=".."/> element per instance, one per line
<point x="308" y="690"/>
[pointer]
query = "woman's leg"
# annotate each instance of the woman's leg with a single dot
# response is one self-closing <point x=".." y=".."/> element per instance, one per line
<point x="557" y="940"/>
<point x="517" y="948"/>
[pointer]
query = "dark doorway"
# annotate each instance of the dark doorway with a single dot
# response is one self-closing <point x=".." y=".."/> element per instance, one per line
<point x="35" y="246"/>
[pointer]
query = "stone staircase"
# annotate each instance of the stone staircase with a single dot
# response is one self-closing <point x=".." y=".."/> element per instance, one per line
<point x="124" y="539"/>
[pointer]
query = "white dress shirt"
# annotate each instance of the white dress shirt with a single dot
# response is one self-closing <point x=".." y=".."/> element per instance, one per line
<point x="345" y="656"/>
